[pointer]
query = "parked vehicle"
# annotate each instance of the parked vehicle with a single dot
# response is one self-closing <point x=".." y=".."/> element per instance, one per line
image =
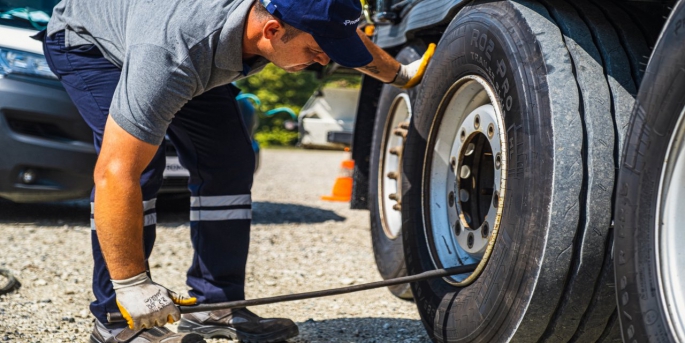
<point x="506" y="156"/>
<point x="176" y="176"/>
<point x="46" y="149"/>
<point x="326" y="121"/>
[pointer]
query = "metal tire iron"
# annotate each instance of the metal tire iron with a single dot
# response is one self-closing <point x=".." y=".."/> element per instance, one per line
<point x="116" y="317"/>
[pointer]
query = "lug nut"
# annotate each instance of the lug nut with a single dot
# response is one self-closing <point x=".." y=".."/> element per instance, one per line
<point x="485" y="230"/>
<point x="465" y="172"/>
<point x="404" y="125"/>
<point x="462" y="135"/>
<point x="491" y="131"/>
<point x="400" y="132"/>
<point x="450" y="199"/>
<point x="495" y="199"/>
<point x="469" y="240"/>
<point x="457" y="228"/>
<point x="393" y="196"/>
<point x="453" y="163"/>
<point x="498" y="160"/>
<point x="392" y="175"/>
<point x="470" y="149"/>
<point x="476" y="122"/>
<point x="464" y="195"/>
<point x="396" y="150"/>
<point x="397" y="207"/>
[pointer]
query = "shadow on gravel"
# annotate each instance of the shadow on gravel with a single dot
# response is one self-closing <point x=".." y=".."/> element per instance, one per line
<point x="278" y="213"/>
<point x="171" y="210"/>
<point x="361" y="330"/>
<point x="72" y="213"/>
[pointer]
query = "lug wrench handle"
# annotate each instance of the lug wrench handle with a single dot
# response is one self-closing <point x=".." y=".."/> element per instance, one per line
<point x="117" y="317"/>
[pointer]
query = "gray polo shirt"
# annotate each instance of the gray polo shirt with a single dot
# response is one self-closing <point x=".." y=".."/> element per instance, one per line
<point x="169" y="51"/>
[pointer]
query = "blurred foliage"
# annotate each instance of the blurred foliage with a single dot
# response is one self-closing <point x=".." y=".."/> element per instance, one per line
<point x="278" y="88"/>
<point x="276" y="136"/>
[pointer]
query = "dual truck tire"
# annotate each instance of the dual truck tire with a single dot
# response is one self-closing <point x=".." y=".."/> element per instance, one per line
<point x="650" y="204"/>
<point x="394" y="110"/>
<point x="510" y="161"/>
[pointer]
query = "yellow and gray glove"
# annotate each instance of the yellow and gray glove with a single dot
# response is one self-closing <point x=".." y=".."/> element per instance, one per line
<point x="145" y="304"/>
<point x="411" y="74"/>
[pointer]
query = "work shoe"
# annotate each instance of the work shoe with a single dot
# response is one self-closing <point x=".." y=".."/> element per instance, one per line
<point x="240" y="324"/>
<point x="122" y="334"/>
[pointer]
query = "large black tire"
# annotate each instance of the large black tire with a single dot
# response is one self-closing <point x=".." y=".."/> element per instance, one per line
<point x="548" y="278"/>
<point x="387" y="240"/>
<point x="649" y="16"/>
<point x="640" y="252"/>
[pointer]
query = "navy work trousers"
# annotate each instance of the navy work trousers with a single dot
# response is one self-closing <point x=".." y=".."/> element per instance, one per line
<point x="212" y="143"/>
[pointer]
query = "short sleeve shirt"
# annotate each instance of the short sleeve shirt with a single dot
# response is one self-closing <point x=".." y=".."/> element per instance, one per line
<point x="169" y="51"/>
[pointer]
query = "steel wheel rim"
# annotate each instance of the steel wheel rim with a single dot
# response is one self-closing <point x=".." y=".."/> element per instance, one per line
<point x="670" y="234"/>
<point x="390" y="185"/>
<point x="468" y="111"/>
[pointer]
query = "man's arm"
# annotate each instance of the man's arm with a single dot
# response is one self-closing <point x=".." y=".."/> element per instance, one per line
<point x="383" y="67"/>
<point x="388" y="70"/>
<point x="119" y="202"/>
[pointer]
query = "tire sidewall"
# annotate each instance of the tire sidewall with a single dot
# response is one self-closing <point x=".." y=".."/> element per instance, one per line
<point x="655" y="115"/>
<point x="388" y="251"/>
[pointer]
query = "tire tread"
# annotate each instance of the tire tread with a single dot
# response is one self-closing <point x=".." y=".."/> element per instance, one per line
<point x="599" y="173"/>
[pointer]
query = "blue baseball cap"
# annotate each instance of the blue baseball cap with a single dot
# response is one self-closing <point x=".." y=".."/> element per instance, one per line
<point x="332" y="23"/>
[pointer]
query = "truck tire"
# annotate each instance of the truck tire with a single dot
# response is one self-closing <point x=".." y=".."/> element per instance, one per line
<point x="648" y="256"/>
<point x="394" y="109"/>
<point x="510" y="163"/>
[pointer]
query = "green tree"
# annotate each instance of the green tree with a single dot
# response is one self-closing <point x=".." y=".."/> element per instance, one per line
<point x="278" y="88"/>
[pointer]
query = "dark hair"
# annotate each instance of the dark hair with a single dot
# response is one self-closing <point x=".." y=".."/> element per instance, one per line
<point x="290" y="31"/>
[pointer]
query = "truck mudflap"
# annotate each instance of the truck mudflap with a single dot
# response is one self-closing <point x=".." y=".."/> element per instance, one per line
<point x="361" y="143"/>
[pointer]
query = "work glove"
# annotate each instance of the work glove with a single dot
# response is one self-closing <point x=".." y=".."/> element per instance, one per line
<point x="411" y="74"/>
<point x="145" y="304"/>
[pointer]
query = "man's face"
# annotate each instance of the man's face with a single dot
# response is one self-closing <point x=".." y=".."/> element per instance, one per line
<point x="297" y="53"/>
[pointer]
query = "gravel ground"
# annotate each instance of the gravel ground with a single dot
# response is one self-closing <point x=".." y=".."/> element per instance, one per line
<point x="299" y="243"/>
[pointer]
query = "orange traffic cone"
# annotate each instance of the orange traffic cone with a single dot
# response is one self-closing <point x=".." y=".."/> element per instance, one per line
<point x="342" y="189"/>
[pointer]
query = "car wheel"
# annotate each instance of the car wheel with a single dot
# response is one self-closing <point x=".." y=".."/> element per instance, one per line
<point x="650" y="205"/>
<point x="510" y="163"/>
<point x="390" y="128"/>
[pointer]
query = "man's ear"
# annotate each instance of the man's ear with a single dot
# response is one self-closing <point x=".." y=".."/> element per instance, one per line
<point x="272" y="29"/>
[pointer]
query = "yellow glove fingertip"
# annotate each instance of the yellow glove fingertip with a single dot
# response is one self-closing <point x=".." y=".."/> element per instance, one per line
<point x="185" y="301"/>
<point x="430" y="51"/>
<point x="126" y="315"/>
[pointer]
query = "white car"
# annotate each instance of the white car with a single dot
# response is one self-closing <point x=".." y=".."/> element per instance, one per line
<point x="327" y="119"/>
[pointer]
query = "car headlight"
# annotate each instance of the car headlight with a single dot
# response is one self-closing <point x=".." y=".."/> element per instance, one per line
<point x="24" y="63"/>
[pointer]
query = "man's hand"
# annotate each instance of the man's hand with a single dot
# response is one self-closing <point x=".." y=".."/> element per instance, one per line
<point x="388" y="70"/>
<point x="145" y="304"/>
<point x="411" y="74"/>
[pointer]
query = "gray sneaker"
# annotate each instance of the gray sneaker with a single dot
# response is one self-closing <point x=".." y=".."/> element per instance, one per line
<point x="122" y="334"/>
<point x="238" y="324"/>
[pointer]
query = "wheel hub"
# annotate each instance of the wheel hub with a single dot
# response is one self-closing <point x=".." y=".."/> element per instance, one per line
<point x="390" y="185"/>
<point x="670" y="233"/>
<point x="465" y="177"/>
<point x="477" y="150"/>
